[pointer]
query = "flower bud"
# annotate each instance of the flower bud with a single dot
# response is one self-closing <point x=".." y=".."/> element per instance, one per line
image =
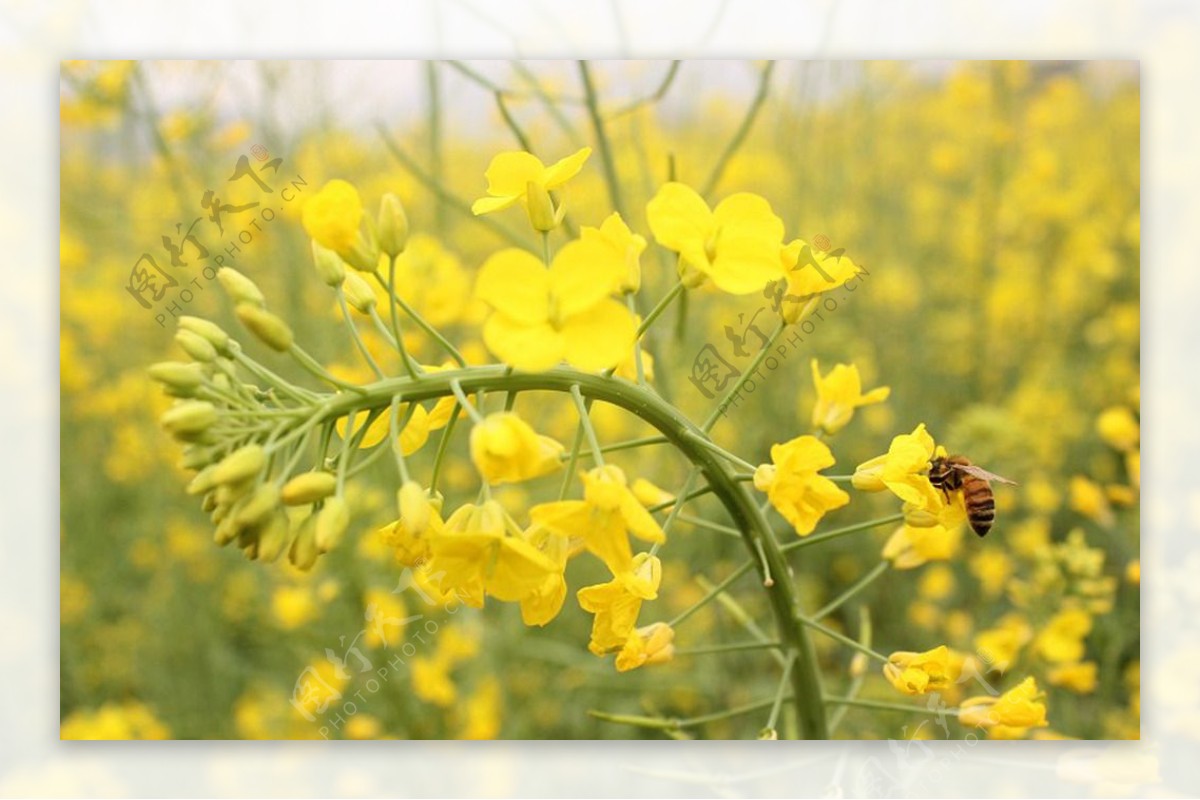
<point x="196" y="346"/>
<point x="240" y="288"/>
<point x="359" y="293"/>
<point x="414" y="507"/>
<point x="255" y="507"/>
<point x="768" y="734"/>
<point x="541" y="208"/>
<point x="274" y="537"/>
<point x="195" y="457"/>
<point x="225" y="532"/>
<point x="215" y="335"/>
<point x="329" y="265"/>
<point x="393" y="226"/>
<point x="308" y="487"/>
<point x="179" y="378"/>
<point x="332" y="521"/>
<point x="189" y="418"/>
<point x="303" y="553"/>
<point x="203" y="482"/>
<point x="242" y="464"/>
<point x="868" y="476"/>
<point x="364" y="254"/>
<point x="270" y="329"/>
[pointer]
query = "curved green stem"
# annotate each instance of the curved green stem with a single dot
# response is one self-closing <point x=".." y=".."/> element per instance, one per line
<point x="681" y="432"/>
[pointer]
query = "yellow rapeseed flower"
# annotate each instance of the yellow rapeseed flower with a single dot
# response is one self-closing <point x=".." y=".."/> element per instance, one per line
<point x="838" y="394"/>
<point x="333" y="215"/>
<point x="505" y="449"/>
<point x="646" y="646"/>
<point x="1022" y="706"/>
<point x="626" y="245"/>
<point x="1062" y="639"/>
<point x="1118" y="428"/>
<point x="604" y="519"/>
<point x="1079" y="678"/>
<point x="1000" y="646"/>
<point x="516" y="177"/>
<point x="479" y="555"/>
<point x="920" y="673"/>
<point x="911" y="546"/>
<point x="737" y="244"/>
<point x="543" y="316"/>
<point x="617" y="603"/>
<point x="793" y="485"/>
<point x="903" y="470"/>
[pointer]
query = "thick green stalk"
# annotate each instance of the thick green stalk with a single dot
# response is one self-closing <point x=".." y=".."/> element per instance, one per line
<point x="680" y="431"/>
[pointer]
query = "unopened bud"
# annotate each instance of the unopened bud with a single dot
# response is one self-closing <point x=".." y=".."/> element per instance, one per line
<point x="308" y="487"/>
<point x="541" y="208"/>
<point x="274" y="538"/>
<point x="393" y="225"/>
<point x="858" y="665"/>
<point x="196" y="346"/>
<point x="195" y="457"/>
<point x="203" y="482"/>
<point x="178" y="377"/>
<point x="303" y="553"/>
<point x="768" y="734"/>
<point x="240" y="288"/>
<point x="414" y="507"/>
<point x="225" y="533"/>
<point x="257" y="506"/>
<point x="363" y="255"/>
<point x="270" y="329"/>
<point x="332" y="521"/>
<point x="329" y="265"/>
<point x="215" y="335"/>
<point x="189" y="417"/>
<point x="242" y="464"/>
<point x="359" y="293"/>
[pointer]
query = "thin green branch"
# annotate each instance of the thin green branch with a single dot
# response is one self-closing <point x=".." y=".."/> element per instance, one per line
<point x="764" y="82"/>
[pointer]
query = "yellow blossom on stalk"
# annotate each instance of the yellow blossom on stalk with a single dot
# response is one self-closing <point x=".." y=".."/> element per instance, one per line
<point x="1022" y="706"/>
<point x="903" y="470"/>
<point x="1062" y="638"/>
<point x="811" y="271"/>
<point x="519" y="177"/>
<point x="1118" y="428"/>
<point x="626" y="245"/>
<point x="999" y="647"/>
<point x="617" y="603"/>
<point x="1087" y="498"/>
<point x="838" y="394"/>
<point x="647" y="646"/>
<point x="1079" y="678"/>
<point x="603" y="519"/>
<point x="333" y="215"/>
<point x="793" y="485"/>
<point x="921" y="673"/>
<point x="431" y="279"/>
<point x="480" y="555"/>
<point x="506" y="449"/>
<point x="419" y="523"/>
<point x="737" y="244"/>
<point x="911" y="546"/>
<point x="544" y="603"/>
<point x="542" y="316"/>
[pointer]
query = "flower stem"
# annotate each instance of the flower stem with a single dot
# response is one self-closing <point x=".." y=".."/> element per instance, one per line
<point x="358" y="342"/>
<point x="844" y="597"/>
<point x="727" y="648"/>
<point x="312" y="366"/>
<point x="586" y="422"/>
<point x="781" y="691"/>
<point x="606" y="156"/>
<point x="719" y="411"/>
<point x="662" y="306"/>
<point x="809" y="541"/>
<point x="885" y="706"/>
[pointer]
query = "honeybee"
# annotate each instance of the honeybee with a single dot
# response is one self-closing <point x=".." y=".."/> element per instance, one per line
<point x="956" y="473"/>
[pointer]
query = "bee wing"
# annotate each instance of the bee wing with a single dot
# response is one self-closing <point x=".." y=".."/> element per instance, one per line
<point x="979" y="472"/>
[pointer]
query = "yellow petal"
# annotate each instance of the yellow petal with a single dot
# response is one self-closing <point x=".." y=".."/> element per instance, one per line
<point x="583" y="273"/>
<point x="415" y="433"/>
<point x="515" y="282"/>
<point x="678" y="216"/>
<point x="509" y="173"/>
<point x="486" y="205"/>
<point x="599" y="338"/>
<point x="529" y="347"/>
<point x="562" y="171"/>
<point x="376" y="432"/>
<point x="641" y="523"/>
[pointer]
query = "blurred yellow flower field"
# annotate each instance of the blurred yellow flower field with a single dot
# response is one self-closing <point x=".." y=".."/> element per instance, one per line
<point x="600" y="400"/>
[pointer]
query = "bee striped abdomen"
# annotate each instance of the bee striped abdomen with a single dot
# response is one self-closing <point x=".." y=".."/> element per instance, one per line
<point x="980" y="504"/>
